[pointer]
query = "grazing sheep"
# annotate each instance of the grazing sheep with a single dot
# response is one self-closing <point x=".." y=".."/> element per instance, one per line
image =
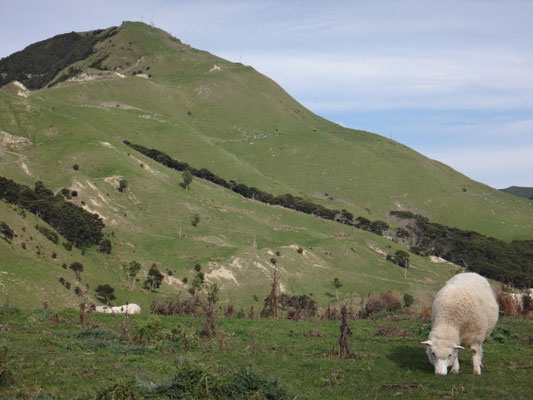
<point x="125" y="309"/>
<point x="464" y="312"/>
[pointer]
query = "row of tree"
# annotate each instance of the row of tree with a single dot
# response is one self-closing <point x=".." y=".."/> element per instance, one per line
<point x="506" y="262"/>
<point x="285" y="200"/>
<point x="78" y="226"/>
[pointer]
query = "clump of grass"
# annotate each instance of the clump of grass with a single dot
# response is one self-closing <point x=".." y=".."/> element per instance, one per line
<point x="198" y="381"/>
<point x="118" y="391"/>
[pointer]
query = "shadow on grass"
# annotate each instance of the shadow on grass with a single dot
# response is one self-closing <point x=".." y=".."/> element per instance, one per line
<point x="411" y="357"/>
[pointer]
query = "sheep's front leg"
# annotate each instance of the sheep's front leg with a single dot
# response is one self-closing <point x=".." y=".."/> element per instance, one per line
<point x="455" y="366"/>
<point x="477" y="355"/>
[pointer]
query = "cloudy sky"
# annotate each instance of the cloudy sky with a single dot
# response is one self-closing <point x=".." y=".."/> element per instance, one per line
<point x="452" y="79"/>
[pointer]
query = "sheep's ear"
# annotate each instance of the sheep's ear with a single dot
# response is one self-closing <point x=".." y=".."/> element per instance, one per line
<point x="427" y="343"/>
<point x="456" y="346"/>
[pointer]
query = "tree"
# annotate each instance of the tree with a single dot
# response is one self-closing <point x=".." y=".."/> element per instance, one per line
<point x="105" y="246"/>
<point x="131" y="270"/>
<point x="77" y="267"/>
<point x="187" y="178"/>
<point x="122" y="185"/>
<point x="401" y="258"/>
<point x="153" y="279"/>
<point x="105" y="293"/>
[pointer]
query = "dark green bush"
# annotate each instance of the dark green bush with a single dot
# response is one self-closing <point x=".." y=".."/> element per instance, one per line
<point x="71" y="221"/>
<point x="39" y="63"/>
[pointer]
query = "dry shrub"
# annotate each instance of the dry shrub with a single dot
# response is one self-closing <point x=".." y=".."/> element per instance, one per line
<point x="376" y="303"/>
<point x="298" y="308"/>
<point x="345" y="350"/>
<point x="193" y="306"/>
<point x="229" y="311"/>
<point x="329" y="313"/>
<point x="509" y="305"/>
<point x="314" y="333"/>
<point x="425" y="311"/>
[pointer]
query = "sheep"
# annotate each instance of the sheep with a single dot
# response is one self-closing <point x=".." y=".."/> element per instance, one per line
<point x="125" y="309"/>
<point x="465" y="312"/>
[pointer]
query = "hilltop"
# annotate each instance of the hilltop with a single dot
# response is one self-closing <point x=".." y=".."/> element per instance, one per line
<point x="138" y="84"/>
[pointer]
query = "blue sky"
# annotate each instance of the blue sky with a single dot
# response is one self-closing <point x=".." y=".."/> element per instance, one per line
<point x="451" y="79"/>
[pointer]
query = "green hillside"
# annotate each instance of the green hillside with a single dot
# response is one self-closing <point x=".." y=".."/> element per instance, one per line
<point x="144" y="86"/>
<point x="520" y="191"/>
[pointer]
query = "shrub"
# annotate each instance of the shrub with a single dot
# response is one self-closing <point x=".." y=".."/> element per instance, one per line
<point x="75" y="167"/>
<point x="105" y="246"/>
<point x="408" y="300"/>
<point x="67" y="246"/>
<point x="48" y="233"/>
<point x="6" y="231"/>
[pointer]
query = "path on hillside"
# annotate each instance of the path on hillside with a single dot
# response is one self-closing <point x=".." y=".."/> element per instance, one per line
<point x="18" y="158"/>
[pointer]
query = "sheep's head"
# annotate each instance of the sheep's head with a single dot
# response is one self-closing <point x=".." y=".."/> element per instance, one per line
<point x="442" y="354"/>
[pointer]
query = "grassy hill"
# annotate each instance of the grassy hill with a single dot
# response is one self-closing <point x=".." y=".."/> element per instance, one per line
<point x="520" y="191"/>
<point x="144" y="86"/>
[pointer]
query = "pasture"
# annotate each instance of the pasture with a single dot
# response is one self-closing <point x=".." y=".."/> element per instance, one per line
<point x="53" y="354"/>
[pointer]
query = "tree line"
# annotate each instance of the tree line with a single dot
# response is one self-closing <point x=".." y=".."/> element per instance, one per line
<point x="285" y="200"/>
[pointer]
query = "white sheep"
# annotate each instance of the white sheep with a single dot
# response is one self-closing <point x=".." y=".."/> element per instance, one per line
<point x="125" y="309"/>
<point x="465" y="312"/>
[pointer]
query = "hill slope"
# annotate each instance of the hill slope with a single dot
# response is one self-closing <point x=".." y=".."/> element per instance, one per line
<point x="520" y="191"/>
<point x="144" y="86"/>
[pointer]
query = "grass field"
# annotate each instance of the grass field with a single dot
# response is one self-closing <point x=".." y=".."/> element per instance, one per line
<point x="51" y="355"/>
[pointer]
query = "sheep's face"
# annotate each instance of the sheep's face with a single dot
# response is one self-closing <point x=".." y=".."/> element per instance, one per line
<point x="442" y="354"/>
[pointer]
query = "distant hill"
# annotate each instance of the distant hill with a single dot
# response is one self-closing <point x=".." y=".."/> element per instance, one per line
<point x="520" y="191"/>
<point x="282" y="169"/>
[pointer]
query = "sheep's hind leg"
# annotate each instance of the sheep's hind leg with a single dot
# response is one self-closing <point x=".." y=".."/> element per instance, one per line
<point x="477" y="354"/>
<point x="455" y="366"/>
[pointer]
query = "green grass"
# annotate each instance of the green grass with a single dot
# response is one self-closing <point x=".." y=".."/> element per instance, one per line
<point x="50" y="353"/>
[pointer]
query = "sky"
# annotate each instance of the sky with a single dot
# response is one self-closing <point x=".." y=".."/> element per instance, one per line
<point x="451" y="79"/>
